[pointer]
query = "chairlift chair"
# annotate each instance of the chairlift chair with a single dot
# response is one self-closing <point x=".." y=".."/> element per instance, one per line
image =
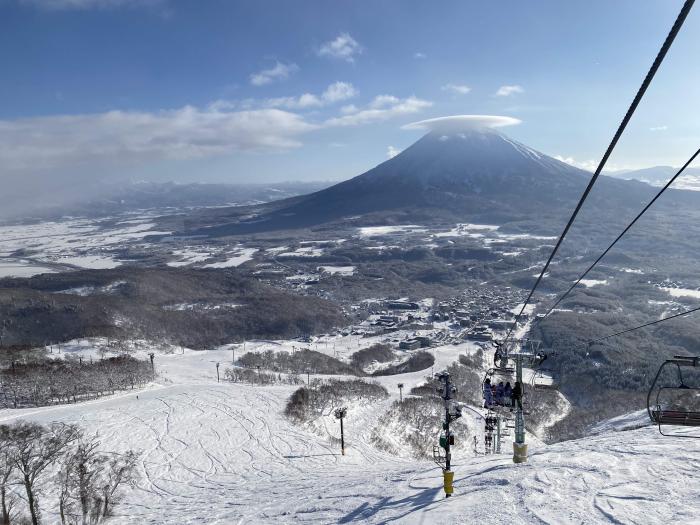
<point x="679" y="413"/>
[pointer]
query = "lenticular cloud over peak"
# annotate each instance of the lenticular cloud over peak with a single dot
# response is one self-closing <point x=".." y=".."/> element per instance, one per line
<point x="463" y="122"/>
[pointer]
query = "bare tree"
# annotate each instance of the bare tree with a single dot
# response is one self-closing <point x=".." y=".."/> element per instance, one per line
<point x="6" y="470"/>
<point x="120" y="471"/>
<point x="78" y="480"/>
<point x="90" y="481"/>
<point x="32" y="449"/>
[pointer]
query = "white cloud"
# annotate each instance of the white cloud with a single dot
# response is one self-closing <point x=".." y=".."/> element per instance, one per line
<point x="658" y="128"/>
<point x="279" y="71"/>
<point x="457" y="89"/>
<point x="381" y="108"/>
<point x="591" y="165"/>
<point x="336" y="92"/>
<point x="455" y="123"/>
<point x="588" y="165"/>
<point x="116" y="137"/>
<point x="305" y="101"/>
<point x="506" y="91"/>
<point x="339" y="91"/>
<point x="343" y="47"/>
<point x="350" y="108"/>
<point x="418" y="55"/>
<point x="391" y="152"/>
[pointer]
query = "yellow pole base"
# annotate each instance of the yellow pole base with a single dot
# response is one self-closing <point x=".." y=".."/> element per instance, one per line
<point x="519" y="452"/>
<point x="448" y="478"/>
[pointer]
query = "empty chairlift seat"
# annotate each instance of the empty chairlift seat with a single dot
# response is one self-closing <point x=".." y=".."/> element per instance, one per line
<point x="674" y="397"/>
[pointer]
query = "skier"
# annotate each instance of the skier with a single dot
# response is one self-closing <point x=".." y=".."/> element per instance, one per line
<point x="488" y="394"/>
<point x="517" y="396"/>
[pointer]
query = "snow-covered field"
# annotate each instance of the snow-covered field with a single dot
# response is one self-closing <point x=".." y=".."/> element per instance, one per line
<point x="224" y="453"/>
<point x="69" y="243"/>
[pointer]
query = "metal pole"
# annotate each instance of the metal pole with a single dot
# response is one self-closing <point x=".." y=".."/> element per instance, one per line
<point x="498" y="434"/>
<point x="447" y="474"/>
<point x="217" y="373"/>
<point x="342" y="438"/>
<point x="519" y="446"/>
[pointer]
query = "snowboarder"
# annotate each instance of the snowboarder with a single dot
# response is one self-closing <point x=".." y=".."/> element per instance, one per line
<point x="517" y="396"/>
<point x="488" y="394"/>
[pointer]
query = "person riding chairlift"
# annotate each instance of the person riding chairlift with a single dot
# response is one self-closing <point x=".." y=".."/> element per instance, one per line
<point x="508" y="394"/>
<point x="500" y="392"/>
<point x="488" y="394"/>
<point x="517" y="396"/>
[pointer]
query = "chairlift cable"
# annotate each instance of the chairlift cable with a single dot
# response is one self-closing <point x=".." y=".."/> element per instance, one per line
<point x="629" y="226"/>
<point x="674" y="316"/>
<point x="688" y="4"/>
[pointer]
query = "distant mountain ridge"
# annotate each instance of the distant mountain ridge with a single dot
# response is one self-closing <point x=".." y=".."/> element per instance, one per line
<point x="660" y="175"/>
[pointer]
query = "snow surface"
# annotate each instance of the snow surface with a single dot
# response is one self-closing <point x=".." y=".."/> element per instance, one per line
<point x="224" y="453"/>
<point x="377" y="231"/>
<point x="339" y="270"/>
<point x="22" y="269"/>
<point x="241" y="256"/>
<point x="682" y="292"/>
<point x="588" y="283"/>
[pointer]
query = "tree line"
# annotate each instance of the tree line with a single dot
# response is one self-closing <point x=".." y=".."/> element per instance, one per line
<point x="86" y="481"/>
<point x="55" y="381"/>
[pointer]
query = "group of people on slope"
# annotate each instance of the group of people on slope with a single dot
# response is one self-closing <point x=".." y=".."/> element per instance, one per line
<point x="502" y="395"/>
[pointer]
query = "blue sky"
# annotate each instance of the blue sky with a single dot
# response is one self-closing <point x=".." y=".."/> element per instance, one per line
<point x="243" y="91"/>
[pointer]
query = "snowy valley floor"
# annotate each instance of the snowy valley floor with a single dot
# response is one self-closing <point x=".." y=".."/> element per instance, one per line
<point x="224" y="453"/>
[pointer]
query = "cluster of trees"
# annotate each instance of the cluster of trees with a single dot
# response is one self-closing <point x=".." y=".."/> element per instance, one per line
<point x="298" y="362"/>
<point x="87" y="481"/>
<point x="416" y="362"/>
<point x="474" y="361"/>
<point x="414" y="425"/>
<point x="48" y="381"/>
<point x="260" y="377"/>
<point x="467" y="381"/>
<point x="310" y="402"/>
<point x="378" y="352"/>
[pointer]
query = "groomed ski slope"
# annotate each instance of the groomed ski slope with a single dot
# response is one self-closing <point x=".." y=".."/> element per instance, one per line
<point x="224" y="453"/>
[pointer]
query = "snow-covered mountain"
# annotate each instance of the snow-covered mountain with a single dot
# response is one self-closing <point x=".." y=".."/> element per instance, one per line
<point x="475" y="173"/>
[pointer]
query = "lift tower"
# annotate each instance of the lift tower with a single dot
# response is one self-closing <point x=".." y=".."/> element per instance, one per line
<point x="447" y="439"/>
<point x="529" y="353"/>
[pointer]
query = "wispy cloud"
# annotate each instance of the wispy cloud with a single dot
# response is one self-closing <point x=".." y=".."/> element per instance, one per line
<point x="336" y="92"/>
<point x="457" y="89"/>
<point x="381" y="108"/>
<point x="391" y="152"/>
<point x="118" y="136"/>
<point x="279" y="71"/>
<point x="343" y="47"/>
<point x="506" y="91"/>
<point x="658" y="128"/>
<point x="418" y="55"/>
